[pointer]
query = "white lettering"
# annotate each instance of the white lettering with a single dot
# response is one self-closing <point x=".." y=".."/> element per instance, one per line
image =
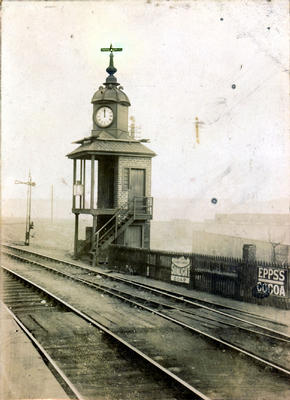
<point x="282" y="276"/>
<point x="270" y="285"/>
<point x="276" y="275"/>
<point x="272" y="280"/>
<point x="270" y="273"/>
<point x="182" y="279"/>
<point x="276" y="290"/>
<point x="282" y="291"/>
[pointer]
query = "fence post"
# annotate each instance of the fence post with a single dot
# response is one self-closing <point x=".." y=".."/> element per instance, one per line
<point x="249" y="253"/>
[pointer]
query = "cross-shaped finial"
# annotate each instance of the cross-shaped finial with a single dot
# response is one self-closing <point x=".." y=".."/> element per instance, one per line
<point x="111" y="79"/>
<point x="111" y="48"/>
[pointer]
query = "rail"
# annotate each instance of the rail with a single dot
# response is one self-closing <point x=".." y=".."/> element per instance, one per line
<point x="118" y="339"/>
<point x="45" y="354"/>
<point x="190" y="300"/>
<point x="135" y="301"/>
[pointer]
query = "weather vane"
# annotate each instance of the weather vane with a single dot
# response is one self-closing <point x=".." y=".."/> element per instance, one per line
<point x="111" y="48"/>
<point x="111" y="79"/>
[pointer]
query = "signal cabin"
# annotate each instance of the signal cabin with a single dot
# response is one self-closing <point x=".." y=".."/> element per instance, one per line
<point x="111" y="177"/>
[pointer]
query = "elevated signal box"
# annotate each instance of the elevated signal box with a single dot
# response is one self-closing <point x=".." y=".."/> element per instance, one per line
<point x="111" y="176"/>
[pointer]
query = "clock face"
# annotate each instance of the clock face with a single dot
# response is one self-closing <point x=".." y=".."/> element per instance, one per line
<point x="104" y="116"/>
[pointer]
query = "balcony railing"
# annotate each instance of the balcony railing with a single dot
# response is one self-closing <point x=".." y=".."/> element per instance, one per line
<point x="141" y="206"/>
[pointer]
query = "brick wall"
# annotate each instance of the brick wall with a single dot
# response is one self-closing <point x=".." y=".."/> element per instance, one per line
<point x="121" y="195"/>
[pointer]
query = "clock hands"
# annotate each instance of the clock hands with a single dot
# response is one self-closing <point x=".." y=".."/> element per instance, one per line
<point x="104" y="116"/>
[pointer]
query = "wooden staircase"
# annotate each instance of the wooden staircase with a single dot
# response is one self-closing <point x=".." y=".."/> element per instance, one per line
<point x="138" y="208"/>
<point x="104" y="237"/>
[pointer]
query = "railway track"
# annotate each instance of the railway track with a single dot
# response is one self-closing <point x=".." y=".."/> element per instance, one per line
<point x="183" y="312"/>
<point x="146" y="295"/>
<point x="90" y="361"/>
<point x="243" y="316"/>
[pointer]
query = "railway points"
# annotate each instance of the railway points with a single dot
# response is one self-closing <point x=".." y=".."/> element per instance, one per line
<point x="129" y="331"/>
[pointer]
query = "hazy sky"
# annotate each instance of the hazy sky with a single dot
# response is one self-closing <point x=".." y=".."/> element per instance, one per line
<point x="179" y="60"/>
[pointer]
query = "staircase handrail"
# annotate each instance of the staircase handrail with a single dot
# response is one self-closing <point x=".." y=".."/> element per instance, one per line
<point x="102" y="227"/>
<point x="125" y="206"/>
<point x="107" y="232"/>
<point x="114" y="216"/>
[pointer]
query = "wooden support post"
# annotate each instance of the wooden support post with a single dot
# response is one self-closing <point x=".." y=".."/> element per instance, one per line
<point x="76" y="235"/>
<point x="81" y="178"/>
<point x="94" y="231"/>
<point x="92" y="182"/>
<point x="93" y="248"/>
<point x="74" y="181"/>
<point x="116" y="227"/>
<point x="84" y="184"/>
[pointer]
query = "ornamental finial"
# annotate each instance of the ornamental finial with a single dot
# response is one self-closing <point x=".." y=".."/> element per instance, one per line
<point x="111" y="79"/>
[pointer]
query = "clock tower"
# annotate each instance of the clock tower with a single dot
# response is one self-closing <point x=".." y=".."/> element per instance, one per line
<point x="111" y="176"/>
<point x="110" y="105"/>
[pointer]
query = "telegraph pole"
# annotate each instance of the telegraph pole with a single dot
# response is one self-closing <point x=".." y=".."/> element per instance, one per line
<point x="51" y="208"/>
<point x="197" y="125"/>
<point x="29" y="225"/>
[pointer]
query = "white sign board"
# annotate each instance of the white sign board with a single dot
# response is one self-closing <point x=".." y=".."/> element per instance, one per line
<point x="180" y="269"/>
<point x="275" y="279"/>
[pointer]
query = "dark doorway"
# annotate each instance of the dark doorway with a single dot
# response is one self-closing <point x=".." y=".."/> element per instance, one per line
<point x="106" y="183"/>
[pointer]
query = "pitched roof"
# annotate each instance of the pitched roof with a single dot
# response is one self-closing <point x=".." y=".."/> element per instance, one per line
<point x="113" y="147"/>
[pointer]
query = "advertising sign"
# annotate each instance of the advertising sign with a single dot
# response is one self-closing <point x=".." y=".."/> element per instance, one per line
<point x="180" y="269"/>
<point x="274" y="279"/>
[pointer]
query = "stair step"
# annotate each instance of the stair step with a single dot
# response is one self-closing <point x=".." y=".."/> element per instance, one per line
<point x="109" y="236"/>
